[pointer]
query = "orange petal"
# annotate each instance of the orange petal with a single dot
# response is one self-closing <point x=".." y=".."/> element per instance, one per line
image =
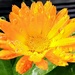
<point x="8" y="30"/>
<point x="72" y="58"/>
<point x="54" y="59"/>
<point x="36" y="8"/>
<point x="66" y="30"/>
<point x="47" y="6"/>
<point x="69" y="28"/>
<point x="24" y="15"/>
<point x="50" y="14"/>
<point x="2" y="36"/>
<point x="6" y="27"/>
<point x="3" y="43"/>
<point x="57" y="26"/>
<point x="15" y="9"/>
<point x="43" y="64"/>
<point x="24" y="11"/>
<point x="63" y="42"/>
<point x="23" y="65"/>
<point x="5" y="54"/>
<point x="61" y="13"/>
<point x="60" y="21"/>
<point x="5" y="46"/>
<point x="17" y="24"/>
<point x="36" y="19"/>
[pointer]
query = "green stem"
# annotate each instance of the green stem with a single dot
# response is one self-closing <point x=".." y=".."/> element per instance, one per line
<point x="32" y="0"/>
<point x="2" y="17"/>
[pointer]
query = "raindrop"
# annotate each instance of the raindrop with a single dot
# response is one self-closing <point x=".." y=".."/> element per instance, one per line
<point x="62" y="31"/>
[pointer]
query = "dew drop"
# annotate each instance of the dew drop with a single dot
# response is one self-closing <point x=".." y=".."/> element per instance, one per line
<point x="62" y="31"/>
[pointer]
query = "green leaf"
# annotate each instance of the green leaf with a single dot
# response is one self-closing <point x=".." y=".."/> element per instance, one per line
<point x="5" y="67"/>
<point x="36" y="71"/>
<point x="68" y="70"/>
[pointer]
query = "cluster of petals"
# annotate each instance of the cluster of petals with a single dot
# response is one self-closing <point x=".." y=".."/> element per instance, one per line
<point x="37" y="33"/>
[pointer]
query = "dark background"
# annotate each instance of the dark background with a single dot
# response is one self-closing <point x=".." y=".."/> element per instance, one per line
<point x="5" y="6"/>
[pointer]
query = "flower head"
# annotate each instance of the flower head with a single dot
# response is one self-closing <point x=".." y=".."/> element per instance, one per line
<point x="36" y="33"/>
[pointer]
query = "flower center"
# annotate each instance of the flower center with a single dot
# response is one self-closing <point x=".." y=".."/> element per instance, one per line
<point x="38" y="44"/>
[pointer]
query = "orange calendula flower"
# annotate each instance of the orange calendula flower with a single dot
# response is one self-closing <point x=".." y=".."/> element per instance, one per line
<point x="36" y="33"/>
